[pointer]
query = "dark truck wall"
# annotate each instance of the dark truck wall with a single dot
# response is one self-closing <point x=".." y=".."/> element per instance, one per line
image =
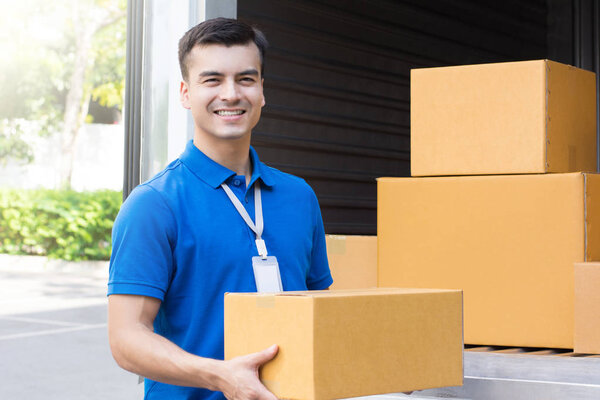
<point x="337" y="83"/>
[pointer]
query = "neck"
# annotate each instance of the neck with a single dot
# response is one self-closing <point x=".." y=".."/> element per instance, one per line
<point x="233" y="154"/>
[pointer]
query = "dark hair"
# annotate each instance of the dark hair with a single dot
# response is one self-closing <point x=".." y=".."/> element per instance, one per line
<point x="225" y="31"/>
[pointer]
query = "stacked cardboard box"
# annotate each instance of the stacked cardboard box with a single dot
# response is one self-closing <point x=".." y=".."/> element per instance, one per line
<point x="508" y="118"/>
<point x="353" y="261"/>
<point x="519" y="208"/>
<point x="587" y="307"/>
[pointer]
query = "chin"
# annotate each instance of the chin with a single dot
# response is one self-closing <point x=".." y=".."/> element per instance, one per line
<point x="232" y="135"/>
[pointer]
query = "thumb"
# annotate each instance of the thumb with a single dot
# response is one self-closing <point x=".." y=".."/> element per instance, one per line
<point x="265" y="355"/>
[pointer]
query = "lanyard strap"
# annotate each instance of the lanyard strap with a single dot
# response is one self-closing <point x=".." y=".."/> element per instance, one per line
<point x="258" y="215"/>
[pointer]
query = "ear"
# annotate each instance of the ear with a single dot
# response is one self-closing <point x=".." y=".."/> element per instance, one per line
<point x="184" y="95"/>
<point x="262" y="82"/>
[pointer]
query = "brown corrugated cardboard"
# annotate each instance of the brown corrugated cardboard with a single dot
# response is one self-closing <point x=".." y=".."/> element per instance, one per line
<point x="347" y="343"/>
<point x="353" y="261"/>
<point x="587" y="307"/>
<point x="517" y="117"/>
<point x="509" y="241"/>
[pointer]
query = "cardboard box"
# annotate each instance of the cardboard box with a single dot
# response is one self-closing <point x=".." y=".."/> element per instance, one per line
<point x="353" y="261"/>
<point x="339" y="344"/>
<point x="516" y="117"/>
<point x="587" y="308"/>
<point x="509" y="241"/>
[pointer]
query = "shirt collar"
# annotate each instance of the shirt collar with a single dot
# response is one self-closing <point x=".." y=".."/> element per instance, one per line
<point x="214" y="174"/>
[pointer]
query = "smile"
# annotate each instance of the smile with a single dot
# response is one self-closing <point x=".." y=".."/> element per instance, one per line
<point x="228" y="113"/>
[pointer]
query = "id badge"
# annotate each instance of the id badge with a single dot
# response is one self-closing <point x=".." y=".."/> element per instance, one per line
<point x="266" y="274"/>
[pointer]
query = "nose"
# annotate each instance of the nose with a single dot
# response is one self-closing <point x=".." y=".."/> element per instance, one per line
<point x="229" y="91"/>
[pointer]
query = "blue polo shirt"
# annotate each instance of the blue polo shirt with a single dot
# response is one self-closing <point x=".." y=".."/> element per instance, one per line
<point x="179" y="238"/>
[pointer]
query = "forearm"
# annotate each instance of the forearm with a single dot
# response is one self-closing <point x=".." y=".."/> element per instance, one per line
<point x="148" y="354"/>
<point x="138" y="349"/>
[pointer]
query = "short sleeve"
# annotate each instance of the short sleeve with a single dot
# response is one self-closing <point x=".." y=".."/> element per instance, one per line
<point x="141" y="262"/>
<point x="319" y="276"/>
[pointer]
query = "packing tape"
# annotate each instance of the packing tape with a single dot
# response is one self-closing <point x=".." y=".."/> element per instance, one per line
<point x="265" y="301"/>
<point x="336" y="244"/>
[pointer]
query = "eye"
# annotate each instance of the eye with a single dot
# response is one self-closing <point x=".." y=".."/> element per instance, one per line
<point x="247" y="79"/>
<point x="210" y="80"/>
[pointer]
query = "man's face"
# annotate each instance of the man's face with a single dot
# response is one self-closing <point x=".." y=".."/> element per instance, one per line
<point x="224" y="90"/>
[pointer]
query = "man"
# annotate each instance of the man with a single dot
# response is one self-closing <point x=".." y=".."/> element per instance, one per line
<point x="180" y="242"/>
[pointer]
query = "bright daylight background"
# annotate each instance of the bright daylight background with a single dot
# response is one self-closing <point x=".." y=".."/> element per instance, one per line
<point x="61" y="134"/>
<point x="61" y="168"/>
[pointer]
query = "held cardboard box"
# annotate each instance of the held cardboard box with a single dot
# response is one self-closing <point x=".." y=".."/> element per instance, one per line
<point x="517" y="117"/>
<point x="587" y="307"/>
<point x="348" y="343"/>
<point x="353" y="261"/>
<point x="509" y="241"/>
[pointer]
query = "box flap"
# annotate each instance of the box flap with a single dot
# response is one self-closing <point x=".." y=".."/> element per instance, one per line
<point x="345" y="292"/>
<point x="571" y="122"/>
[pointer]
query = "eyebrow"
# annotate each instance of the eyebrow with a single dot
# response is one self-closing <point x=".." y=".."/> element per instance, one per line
<point x="250" y="71"/>
<point x="211" y="73"/>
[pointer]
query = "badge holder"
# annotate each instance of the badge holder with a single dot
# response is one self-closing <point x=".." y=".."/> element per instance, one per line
<point x="266" y="268"/>
<point x="266" y="274"/>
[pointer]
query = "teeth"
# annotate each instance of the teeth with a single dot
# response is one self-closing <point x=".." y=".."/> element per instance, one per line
<point x="226" y="113"/>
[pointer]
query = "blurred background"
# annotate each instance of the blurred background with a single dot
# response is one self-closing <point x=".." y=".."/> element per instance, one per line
<point x="62" y="81"/>
<point x="61" y="133"/>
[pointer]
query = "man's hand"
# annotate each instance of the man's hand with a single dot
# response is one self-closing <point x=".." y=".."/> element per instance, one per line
<point x="243" y="382"/>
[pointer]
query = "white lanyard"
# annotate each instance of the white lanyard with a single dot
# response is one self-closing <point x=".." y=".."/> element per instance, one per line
<point x="258" y="215"/>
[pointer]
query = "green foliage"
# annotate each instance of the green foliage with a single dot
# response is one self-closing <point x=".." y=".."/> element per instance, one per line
<point x="58" y="223"/>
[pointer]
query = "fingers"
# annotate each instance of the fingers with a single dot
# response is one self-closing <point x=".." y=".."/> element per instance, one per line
<point x="266" y="395"/>
<point x="243" y="381"/>
<point x="260" y="358"/>
<point x="252" y="392"/>
<point x="265" y="355"/>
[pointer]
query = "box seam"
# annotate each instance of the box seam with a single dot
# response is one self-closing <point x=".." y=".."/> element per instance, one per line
<point x="585" y="217"/>
<point x="314" y="350"/>
<point x="462" y="309"/>
<point x="546" y="116"/>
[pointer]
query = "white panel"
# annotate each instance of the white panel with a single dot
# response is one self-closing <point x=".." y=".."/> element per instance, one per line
<point x="179" y="132"/>
<point x="217" y="8"/>
<point x="164" y="22"/>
